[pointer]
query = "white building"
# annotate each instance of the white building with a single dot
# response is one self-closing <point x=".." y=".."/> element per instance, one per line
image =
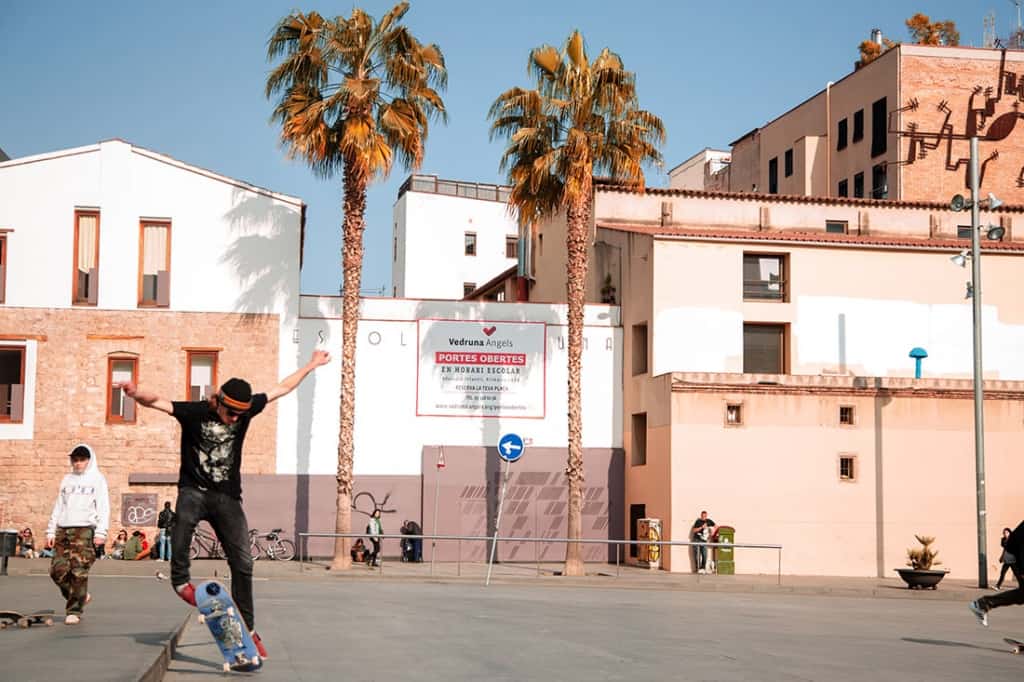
<point x="696" y="171"/>
<point x="121" y="263"/>
<point x="450" y="237"/>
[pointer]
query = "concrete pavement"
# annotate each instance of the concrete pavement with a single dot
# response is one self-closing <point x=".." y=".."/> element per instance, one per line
<point x="639" y="625"/>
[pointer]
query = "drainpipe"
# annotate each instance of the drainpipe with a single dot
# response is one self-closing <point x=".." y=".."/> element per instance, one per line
<point x="828" y="139"/>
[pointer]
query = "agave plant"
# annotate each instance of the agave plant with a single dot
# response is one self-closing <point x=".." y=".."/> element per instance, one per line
<point x="923" y="557"/>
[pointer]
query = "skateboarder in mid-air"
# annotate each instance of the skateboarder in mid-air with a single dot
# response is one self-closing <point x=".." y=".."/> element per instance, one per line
<point x="209" y="479"/>
<point x="981" y="606"/>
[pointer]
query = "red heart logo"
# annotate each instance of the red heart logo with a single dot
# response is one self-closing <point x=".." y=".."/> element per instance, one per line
<point x="490" y="330"/>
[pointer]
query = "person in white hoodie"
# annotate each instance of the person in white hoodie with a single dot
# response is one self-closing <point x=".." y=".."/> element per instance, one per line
<point x="81" y="516"/>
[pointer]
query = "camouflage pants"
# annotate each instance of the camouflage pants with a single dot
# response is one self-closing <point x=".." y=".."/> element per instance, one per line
<point x="73" y="554"/>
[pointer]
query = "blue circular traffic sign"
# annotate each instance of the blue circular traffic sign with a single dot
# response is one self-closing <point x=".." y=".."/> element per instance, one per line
<point x="510" y="447"/>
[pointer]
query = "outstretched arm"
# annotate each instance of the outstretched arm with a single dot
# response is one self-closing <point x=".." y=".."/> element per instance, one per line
<point x="145" y="398"/>
<point x="290" y="382"/>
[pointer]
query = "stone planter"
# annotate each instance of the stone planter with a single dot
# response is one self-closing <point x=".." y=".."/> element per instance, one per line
<point x="920" y="579"/>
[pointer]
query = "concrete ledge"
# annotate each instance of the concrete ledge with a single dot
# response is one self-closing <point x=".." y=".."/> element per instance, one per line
<point x="155" y="672"/>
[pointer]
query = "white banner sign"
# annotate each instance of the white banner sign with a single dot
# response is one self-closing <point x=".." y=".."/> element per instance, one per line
<point x="481" y="369"/>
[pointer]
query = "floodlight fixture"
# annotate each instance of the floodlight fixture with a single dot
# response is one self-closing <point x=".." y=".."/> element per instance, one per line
<point x="992" y="202"/>
<point x="995" y="233"/>
<point x="961" y="258"/>
<point x="958" y="203"/>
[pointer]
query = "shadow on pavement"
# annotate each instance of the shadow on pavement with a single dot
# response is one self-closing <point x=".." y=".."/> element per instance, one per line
<point x="944" y="642"/>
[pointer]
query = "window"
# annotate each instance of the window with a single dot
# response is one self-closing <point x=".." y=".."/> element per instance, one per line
<point x="787" y="163"/>
<point x="844" y="188"/>
<point x="858" y="125"/>
<point x="639" y="454"/>
<point x="764" y="277"/>
<point x="639" y="349"/>
<point x="394" y="249"/>
<point x="879" y="134"/>
<point x="202" y="374"/>
<point x="764" y="349"/>
<point x="773" y="176"/>
<point x="3" y="268"/>
<point x="155" y="264"/>
<point x="470" y="243"/>
<point x="841" y="135"/>
<point x="468" y="288"/>
<point x="837" y="226"/>
<point x="963" y="231"/>
<point x="120" y="408"/>
<point x="880" y="181"/>
<point x="858" y="185"/>
<point x="85" y="285"/>
<point x="734" y="414"/>
<point x="847" y="468"/>
<point x="511" y="246"/>
<point x="12" y="383"/>
<point x="846" y="415"/>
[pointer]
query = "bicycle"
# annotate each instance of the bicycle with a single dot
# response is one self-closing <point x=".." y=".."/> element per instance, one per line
<point x="204" y="542"/>
<point x="276" y="549"/>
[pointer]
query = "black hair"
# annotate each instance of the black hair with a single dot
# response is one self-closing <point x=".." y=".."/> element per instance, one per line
<point x="82" y="452"/>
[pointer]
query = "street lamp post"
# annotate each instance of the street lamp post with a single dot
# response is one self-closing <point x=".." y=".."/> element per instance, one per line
<point x="974" y="292"/>
<point x="979" y="396"/>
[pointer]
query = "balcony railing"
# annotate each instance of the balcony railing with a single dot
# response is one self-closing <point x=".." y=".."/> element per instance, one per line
<point x="764" y="290"/>
<point x="467" y="190"/>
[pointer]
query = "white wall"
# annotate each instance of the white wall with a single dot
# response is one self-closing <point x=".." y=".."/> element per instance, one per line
<point x="431" y="228"/>
<point x="234" y="247"/>
<point x="389" y="436"/>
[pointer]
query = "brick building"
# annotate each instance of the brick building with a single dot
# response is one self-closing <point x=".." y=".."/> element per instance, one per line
<point x="117" y="263"/>
<point x="891" y="130"/>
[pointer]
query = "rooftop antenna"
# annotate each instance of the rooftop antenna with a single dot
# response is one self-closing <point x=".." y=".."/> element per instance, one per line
<point x="1017" y="5"/>
<point x="988" y="39"/>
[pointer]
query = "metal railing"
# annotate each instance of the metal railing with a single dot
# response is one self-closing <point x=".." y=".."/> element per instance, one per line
<point x="304" y="541"/>
<point x="455" y="188"/>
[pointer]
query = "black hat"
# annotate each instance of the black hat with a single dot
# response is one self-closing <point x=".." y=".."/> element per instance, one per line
<point x="236" y="394"/>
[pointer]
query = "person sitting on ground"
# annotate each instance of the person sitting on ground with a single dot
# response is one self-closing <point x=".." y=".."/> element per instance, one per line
<point x="27" y="544"/>
<point x="358" y="550"/>
<point x="133" y="548"/>
<point x="117" y="550"/>
<point x="146" y="547"/>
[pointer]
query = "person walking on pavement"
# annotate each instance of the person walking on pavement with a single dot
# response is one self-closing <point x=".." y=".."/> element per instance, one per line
<point x="981" y="606"/>
<point x="209" y="478"/>
<point x="374" y="530"/>
<point x="1009" y="562"/>
<point x="165" y="522"/>
<point x="78" y="525"/>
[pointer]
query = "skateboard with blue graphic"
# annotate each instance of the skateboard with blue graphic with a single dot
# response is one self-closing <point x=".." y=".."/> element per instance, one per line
<point x="218" y="611"/>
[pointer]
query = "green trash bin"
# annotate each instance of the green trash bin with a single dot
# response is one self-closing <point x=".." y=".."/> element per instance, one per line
<point x="725" y="563"/>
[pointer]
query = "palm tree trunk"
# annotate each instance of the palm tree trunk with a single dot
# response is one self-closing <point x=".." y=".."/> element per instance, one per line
<point x="352" y="265"/>
<point x="577" y="224"/>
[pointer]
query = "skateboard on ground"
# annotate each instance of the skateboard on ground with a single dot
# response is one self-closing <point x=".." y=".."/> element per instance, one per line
<point x="1018" y="646"/>
<point x="25" y="620"/>
<point x="218" y="611"/>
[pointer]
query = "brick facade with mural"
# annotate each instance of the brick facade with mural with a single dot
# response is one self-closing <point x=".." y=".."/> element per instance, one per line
<point x="71" y="400"/>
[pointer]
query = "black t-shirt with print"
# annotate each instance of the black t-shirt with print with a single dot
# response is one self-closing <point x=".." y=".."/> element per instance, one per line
<point x="211" y="451"/>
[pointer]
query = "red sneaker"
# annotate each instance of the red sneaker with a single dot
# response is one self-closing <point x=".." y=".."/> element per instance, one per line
<point x="187" y="593"/>
<point x="260" y="649"/>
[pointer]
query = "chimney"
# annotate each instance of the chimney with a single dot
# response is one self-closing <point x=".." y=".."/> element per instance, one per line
<point x="876" y="36"/>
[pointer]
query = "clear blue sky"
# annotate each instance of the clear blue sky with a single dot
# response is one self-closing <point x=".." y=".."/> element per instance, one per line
<point x="186" y="79"/>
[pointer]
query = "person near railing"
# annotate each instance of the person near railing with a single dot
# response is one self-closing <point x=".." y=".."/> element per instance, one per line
<point x="701" y="532"/>
<point x="412" y="548"/>
<point x="374" y="530"/>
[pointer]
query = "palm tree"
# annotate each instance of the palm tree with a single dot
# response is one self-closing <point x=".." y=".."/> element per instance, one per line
<point x="582" y="117"/>
<point x="352" y="93"/>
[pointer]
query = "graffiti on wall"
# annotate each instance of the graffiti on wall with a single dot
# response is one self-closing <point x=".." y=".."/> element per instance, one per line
<point x="979" y="120"/>
<point x="138" y="509"/>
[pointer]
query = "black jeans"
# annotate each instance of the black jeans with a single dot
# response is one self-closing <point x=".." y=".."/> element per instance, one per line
<point x="226" y="517"/>
<point x="1007" y="598"/>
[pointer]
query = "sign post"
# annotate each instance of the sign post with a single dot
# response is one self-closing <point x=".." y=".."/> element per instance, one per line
<point x="437" y="486"/>
<point x="510" y="449"/>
